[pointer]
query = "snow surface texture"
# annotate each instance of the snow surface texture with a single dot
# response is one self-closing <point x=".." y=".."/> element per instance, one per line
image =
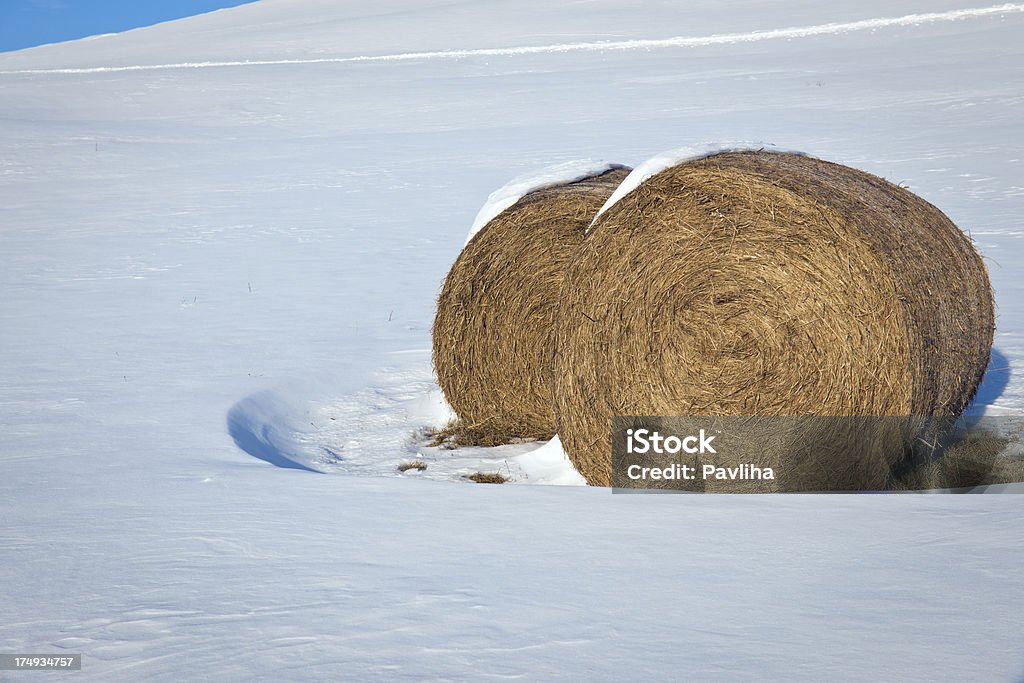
<point x="517" y="188"/>
<point x="222" y="241"/>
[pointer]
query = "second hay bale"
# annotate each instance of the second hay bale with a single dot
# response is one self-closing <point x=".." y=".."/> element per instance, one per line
<point x="493" y="332"/>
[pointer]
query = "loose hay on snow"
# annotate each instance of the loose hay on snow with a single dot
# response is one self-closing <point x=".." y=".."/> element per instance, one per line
<point x="495" y="316"/>
<point x="487" y="478"/>
<point x="458" y="433"/>
<point x="766" y="284"/>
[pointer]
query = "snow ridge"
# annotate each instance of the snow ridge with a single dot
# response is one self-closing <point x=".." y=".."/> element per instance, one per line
<point x="518" y="187"/>
<point x="592" y="46"/>
<point x="679" y="155"/>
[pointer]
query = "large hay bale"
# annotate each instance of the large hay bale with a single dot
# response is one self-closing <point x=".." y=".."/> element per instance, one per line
<point x="494" y="328"/>
<point x="768" y="284"/>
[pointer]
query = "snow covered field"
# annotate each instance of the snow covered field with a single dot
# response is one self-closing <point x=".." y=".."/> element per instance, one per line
<point x="222" y="238"/>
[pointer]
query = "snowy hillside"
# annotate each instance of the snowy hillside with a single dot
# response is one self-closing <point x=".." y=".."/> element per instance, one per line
<point x="222" y="241"/>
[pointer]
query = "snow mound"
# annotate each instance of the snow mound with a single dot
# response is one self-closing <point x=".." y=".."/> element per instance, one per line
<point x="518" y="187"/>
<point x="373" y="432"/>
<point x="549" y="464"/>
<point x="671" y="157"/>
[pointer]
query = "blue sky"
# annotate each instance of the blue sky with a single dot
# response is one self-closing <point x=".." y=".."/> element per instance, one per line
<point x="25" y="23"/>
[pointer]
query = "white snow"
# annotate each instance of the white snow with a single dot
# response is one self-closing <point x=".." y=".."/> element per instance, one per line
<point x="833" y="28"/>
<point x="216" y="279"/>
<point x="520" y="186"/>
<point x="373" y="432"/>
<point x="549" y="464"/>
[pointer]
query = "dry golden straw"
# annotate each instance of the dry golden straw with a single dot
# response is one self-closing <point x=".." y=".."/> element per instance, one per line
<point x="495" y="315"/>
<point x="764" y="284"/>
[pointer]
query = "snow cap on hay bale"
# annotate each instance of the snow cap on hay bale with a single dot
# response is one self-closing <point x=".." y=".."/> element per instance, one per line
<point x="493" y="332"/>
<point x="769" y="284"/>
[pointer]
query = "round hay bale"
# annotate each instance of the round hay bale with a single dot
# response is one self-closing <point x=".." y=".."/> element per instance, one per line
<point x="769" y="284"/>
<point x="493" y="332"/>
